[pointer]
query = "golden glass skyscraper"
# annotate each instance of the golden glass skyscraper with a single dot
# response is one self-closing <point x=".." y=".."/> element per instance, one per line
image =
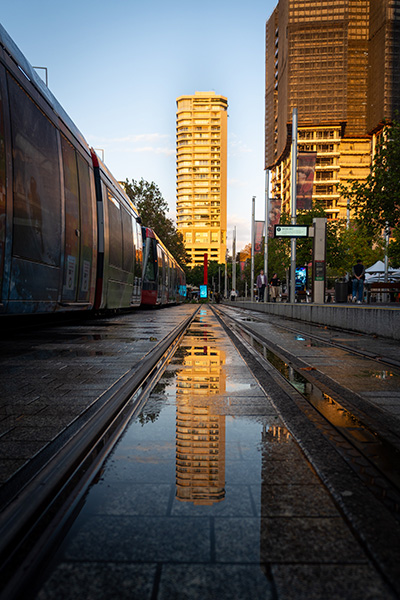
<point x="201" y="175"/>
<point x="337" y="63"/>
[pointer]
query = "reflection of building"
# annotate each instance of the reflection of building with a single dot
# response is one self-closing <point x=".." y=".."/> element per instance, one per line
<point x="337" y="63"/>
<point x="200" y="434"/>
<point x="201" y="172"/>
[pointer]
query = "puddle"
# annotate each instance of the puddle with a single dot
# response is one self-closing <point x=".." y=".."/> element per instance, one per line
<point x="183" y="488"/>
<point x="377" y="449"/>
<point x="382" y="375"/>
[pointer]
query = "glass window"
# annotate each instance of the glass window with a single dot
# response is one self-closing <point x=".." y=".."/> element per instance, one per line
<point x="127" y="240"/>
<point x="115" y="231"/>
<point x="37" y="197"/>
<point x="150" y="274"/>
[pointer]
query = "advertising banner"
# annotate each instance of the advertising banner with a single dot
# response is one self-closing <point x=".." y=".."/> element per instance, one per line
<point x="305" y="179"/>
<point x="274" y="215"/>
<point x="258" y="236"/>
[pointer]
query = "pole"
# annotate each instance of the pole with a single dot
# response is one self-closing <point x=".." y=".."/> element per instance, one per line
<point x="293" y="182"/>
<point x="226" y="275"/>
<point x="234" y="259"/>
<point x="253" y="212"/>
<point x="387" y="239"/>
<point x="205" y="280"/>
<point x="266" y="231"/>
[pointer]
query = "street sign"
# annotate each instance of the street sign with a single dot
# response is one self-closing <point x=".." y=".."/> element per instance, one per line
<point x="291" y="231"/>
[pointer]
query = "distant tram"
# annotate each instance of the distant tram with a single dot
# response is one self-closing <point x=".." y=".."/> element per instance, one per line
<point x="70" y="238"/>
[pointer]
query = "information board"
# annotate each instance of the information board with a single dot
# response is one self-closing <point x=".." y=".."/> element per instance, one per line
<point x="291" y="231"/>
<point x="203" y="291"/>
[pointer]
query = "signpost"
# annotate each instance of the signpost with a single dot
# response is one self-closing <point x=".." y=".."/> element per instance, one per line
<point x="291" y="231"/>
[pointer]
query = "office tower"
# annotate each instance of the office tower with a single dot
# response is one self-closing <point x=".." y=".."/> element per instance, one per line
<point x="383" y="62"/>
<point x="201" y="175"/>
<point x="328" y="58"/>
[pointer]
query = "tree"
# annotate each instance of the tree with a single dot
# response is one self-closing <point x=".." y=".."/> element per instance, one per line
<point x="376" y="201"/>
<point x="153" y="208"/>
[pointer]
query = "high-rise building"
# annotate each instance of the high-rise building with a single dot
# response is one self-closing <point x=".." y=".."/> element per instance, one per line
<point x="201" y="175"/>
<point x="383" y="62"/>
<point x="335" y="61"/>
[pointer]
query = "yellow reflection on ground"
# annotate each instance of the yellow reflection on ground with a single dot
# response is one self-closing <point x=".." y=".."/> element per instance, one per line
<point x="200" y="430"/>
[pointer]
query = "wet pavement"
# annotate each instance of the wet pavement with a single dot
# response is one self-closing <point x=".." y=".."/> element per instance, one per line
<point x="373" y="387"/>
<point x="207" y="495"/>
<point x="50" y="376"/>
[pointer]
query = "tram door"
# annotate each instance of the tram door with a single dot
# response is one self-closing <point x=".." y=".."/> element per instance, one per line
<point x="2" y="193"/>
<point x="78" y="249"/>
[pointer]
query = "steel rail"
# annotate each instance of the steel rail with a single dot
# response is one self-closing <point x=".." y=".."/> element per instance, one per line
<point x="363" y="353"/>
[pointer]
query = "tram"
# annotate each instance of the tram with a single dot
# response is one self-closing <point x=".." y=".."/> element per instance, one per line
<point x="70" y="238"/>
<point x="163" y="279"/>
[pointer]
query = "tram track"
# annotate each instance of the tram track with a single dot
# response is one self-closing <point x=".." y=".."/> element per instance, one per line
<point x="362" y="474"/>
<point x="35" y="513"/>
<point x="341" y="412"/>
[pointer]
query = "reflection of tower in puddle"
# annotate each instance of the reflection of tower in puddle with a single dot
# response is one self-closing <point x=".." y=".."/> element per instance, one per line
<point x="200" y="431"/>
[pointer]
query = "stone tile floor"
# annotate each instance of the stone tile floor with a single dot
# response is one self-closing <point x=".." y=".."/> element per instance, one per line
<point x="208" y="496"/>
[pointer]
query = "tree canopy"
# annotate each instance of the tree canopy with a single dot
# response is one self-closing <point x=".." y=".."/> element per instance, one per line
<point x="153" y="208"/>
<point x="376" y="201"/>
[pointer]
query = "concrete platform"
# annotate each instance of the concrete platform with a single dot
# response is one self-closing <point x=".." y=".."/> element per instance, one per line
<point x="381" y="320"/>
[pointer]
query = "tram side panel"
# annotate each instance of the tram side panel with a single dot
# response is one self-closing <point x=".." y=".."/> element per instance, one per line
<point x="42" y="270"/>
<point x="119" y="264"/>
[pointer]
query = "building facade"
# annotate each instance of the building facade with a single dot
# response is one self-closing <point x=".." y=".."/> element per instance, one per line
<point x="335" y="62"/>
<point x="201" y="175"/>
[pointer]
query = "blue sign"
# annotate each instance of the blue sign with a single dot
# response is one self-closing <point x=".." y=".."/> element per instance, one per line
<point x="203" y="291"/>
<point x="301" y="278"/>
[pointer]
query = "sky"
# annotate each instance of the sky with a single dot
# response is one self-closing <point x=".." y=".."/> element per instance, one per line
<point x="117" y="68"/>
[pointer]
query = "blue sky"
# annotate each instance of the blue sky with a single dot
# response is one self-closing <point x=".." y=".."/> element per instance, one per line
<point x="117" y="68"/>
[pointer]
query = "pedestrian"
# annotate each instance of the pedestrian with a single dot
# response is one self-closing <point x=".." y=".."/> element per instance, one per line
<point x="349" y="281"/>
<point x="274" y="289"/>
<point x="261" y="284"/>
<point x="358" y="281"/>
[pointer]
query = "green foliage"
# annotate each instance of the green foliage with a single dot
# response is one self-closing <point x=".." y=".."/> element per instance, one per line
<point x="394" y="249"/>
<point x="216" y="272"/>
<point x="153" y="208"/>
<point x="377" y="200"/>
<point x="343" y="247"/>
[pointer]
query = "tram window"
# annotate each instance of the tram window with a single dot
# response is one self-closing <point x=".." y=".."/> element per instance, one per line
<point x="115" y="231"/>
<point x="139" y="253"/>
<point x="37" y="198"/>
<point x="127" y="241"/>
<point x="150" y="274"/>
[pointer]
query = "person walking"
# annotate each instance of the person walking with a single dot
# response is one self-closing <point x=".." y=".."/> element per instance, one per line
<point x="261" y="284"/>
<point x="274" y="287"/>
<point x="358" y="281"/>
